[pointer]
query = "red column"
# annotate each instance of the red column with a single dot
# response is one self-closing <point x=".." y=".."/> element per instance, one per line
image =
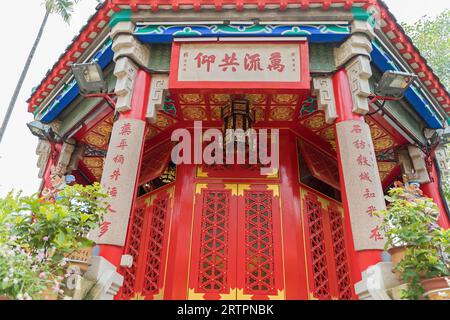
<point x="139" y="102"/>
<point x="294" y="256"/>
<point x="431" y="190"/>
<point x="178" y="262"/>
<point x="360" y="260"/>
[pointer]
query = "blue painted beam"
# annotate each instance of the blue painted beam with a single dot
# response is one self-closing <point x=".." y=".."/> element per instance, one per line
<point x="166" y="34"/>
<point x="314" y="33"/>
<point x="383" y="62"/>
<point x="71" y="91"/>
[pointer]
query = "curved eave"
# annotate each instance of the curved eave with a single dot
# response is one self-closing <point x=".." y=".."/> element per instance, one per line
<point x="403" y="43"/>
<point x="61" y="69"/>
<point x="58" y="74"/>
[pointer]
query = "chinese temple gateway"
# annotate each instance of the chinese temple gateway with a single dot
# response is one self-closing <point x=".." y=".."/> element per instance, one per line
<point x="309" y="68"/>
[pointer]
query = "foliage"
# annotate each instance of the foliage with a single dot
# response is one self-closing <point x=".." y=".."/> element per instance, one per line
<point x="411" y="221"/>
<point x="431" y="36"/>
<point x="42" y="233"/>
<point x="446" y="187"/>
<point x="63" y="8"/>
<point x="445" y="176"/>
<point x="22" y="276"/>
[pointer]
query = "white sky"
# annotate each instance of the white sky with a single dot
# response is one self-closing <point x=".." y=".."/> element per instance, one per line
<point x="18" y="29"/>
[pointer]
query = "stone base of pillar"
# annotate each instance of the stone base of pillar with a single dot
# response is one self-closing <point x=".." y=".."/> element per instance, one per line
<point x="100" y="282"/>
<point x="378" y="283"/>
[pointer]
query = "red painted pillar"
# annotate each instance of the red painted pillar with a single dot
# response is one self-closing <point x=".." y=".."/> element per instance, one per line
<point x="178" y="262"/>
<point x="431" y="190"/>
<point x="358" y="231"/>
<point x="296" y="275"/>
<point x="139" y="102"/>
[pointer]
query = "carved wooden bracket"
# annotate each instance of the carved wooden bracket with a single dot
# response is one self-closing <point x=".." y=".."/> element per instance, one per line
<point x="324" y="90"/>
<point x="128" y="51"/>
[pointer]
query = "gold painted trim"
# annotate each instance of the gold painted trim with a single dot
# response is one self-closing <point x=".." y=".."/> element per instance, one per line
<point x="201" y="173"/>
<point x="149" y="201"/>
<point x="280" y="212"/>
<point x="199" y="187"/>
<point x="201" y="296"/>
<point x="275" y="189"/>
<point x="138" y="296"/>
<point x="233" y="188"/>
<point x="171" y="192"/>
<point x="149" y="198"/>
<point x="241" y="296"/>
<point x="230" y="296"/>
<point x="192" y="295"/>
<point x="159" y="296"/>
<point x="320" y="194"/>
<point x="280" y="296"/>
<point x="238" y="294"/>
<point x="242" y="188"/>
<point x="303" y="226"/>
<point x="311" y="296"/>
<point x="325" y="203"/>
<point x="323" y="199"/>
<point x="274" y="175"/>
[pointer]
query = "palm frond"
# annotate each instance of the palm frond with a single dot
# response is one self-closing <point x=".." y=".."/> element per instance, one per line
<point x="63" y="8"/>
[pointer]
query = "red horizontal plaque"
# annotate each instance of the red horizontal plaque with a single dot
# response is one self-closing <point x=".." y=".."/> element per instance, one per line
<point x="234" y="67"/>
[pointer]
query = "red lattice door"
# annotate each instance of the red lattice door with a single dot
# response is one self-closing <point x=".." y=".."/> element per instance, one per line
<point x="325" y="242"/>
<point x="236" y="243"/>
<point x="260" y="262"/>
<point x="148" y="240"/>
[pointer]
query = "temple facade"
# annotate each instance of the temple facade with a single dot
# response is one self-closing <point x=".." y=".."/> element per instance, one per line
<point x="306" y="73"/>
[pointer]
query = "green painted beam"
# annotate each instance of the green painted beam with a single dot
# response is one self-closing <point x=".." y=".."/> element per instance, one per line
<point x="321" y="58"/>
<point x="121" y="16"/>
<point x="364" y="15"/>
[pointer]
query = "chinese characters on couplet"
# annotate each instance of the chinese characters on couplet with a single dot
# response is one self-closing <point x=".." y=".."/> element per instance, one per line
<point x="230" y="62"/>
<point x="366" y="164"/>
<point x="114" y="179"/>
<point x="371" y="210"/>
<point x="376" y="234"/>
<point x="104" y="228"/>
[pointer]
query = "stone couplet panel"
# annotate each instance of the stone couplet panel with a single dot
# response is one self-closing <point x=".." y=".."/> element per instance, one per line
<point x="119" y="178"/>
<point x="362" y="183"/>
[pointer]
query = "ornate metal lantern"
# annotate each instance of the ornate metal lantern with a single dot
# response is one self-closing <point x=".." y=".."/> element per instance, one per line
<point x="43" y="131"/>
<point x="237" y="115"/>
<point x="393" y="84"/>
<point x="89" y="77"/>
